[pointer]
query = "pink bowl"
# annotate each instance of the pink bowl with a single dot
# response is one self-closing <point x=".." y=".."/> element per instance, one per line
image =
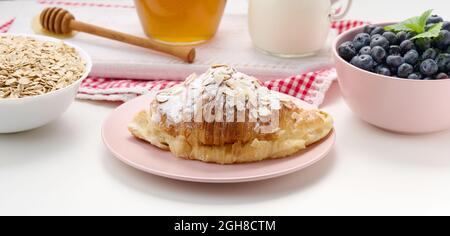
<point x="399" y="105"/>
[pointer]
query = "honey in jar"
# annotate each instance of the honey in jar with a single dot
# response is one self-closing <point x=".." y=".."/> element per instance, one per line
<point x="180" y="21"/>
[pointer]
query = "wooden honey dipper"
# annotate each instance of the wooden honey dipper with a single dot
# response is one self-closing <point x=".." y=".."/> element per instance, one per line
<point x="60" y="21"/>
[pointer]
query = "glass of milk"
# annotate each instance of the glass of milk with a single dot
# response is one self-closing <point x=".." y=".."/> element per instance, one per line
<point x="293" y="28"/>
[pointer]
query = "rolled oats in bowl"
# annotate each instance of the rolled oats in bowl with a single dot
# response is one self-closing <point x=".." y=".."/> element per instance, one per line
<point x="29" y="67"/>
<point x="39" y="79"/>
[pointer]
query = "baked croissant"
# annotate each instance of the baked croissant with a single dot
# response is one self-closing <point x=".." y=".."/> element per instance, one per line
<point x="227" y="117"/>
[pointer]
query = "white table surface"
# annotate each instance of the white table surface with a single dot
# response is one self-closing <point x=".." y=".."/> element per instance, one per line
<point x="64" y="169"/>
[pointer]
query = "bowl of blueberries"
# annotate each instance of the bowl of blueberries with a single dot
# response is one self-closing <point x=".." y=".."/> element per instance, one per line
<point x="396" y="76"/>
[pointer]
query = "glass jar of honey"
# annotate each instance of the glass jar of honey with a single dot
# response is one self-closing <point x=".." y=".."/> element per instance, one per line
<point x="180" y="21"/>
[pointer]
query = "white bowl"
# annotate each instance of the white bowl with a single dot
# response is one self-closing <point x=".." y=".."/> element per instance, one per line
<point x="22" y="114"/>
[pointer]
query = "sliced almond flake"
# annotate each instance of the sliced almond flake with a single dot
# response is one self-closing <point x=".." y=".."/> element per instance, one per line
<point x="284" y="99"/>
<point x="162" y="98"/>
<point x="218" y="65"/>
<point x="231" y="84"/>
<point x="190" y="79"/>
<point x="208" y="81"/>
<point x="177" y="90"/>
<point x="226" y="77"/>
<point x="219" y="79"/>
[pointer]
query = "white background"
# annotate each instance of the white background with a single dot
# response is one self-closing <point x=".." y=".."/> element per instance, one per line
<point x="64" y="168"/>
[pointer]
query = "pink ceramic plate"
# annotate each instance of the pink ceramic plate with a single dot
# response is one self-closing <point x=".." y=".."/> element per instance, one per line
<point x="148" y="158"/>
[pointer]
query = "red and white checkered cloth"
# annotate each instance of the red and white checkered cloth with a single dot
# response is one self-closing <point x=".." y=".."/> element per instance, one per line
<point x="74" y="3"/>
<point x="310" y="87"/>
<point x="5" y="27"/>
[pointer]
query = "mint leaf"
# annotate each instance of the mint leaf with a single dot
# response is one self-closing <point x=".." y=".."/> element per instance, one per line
<point x="397" y="27"/>
<point x="433" y="32"/>
<point x="424" y="18"/>
<point x="415" y="24"/>
<point x="418" y="25"/>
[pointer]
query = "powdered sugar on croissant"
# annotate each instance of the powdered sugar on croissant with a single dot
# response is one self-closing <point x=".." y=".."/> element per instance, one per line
<point x="224" y="116"/>
<point x="220" y="95"/>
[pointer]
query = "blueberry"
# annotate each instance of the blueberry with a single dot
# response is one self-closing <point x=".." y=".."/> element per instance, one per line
<point x="448" y="68"/>
<point x="401" y="36"/>
<point x="383" y="70"/>
<point x="378" y="54"/>
<point x="443" y="41"/>
<point x="422" y="44"/>
<point x="428" y="78"/>
<point x="395" y="61"/>
<point x="375" y="64"/>
<point x="380" y="41"/>
<point x="446" y="26"/>
<point x="394" y="70"/>
<point x="361" y="40"/>
<point x="441" y="76"/>
<point x="374" y="36"/>
<point x="394" y="50"/>
<point x="364" y="62"/>
<point x="429" y="54"/>
<point x="429" y="67"/>
<point x="369" y="28"/>
<point x="417" y="66"/>
<point x="377" y="30"/>
<point x="406" y="46"/>
<point x="365" y="50"/>
<point x="405" y="70"/>
<point x="411" y="57"/>
<point x="391" y="37"/>
<point x="414" y="76"/>
<point x="443" y="60"/>
<point x="434" y="19"/>
<point x="410" y="35"/>
<point x="347" y="50"/>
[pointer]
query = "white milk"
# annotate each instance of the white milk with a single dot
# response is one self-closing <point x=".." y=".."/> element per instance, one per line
<point x="290" y="28"/>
